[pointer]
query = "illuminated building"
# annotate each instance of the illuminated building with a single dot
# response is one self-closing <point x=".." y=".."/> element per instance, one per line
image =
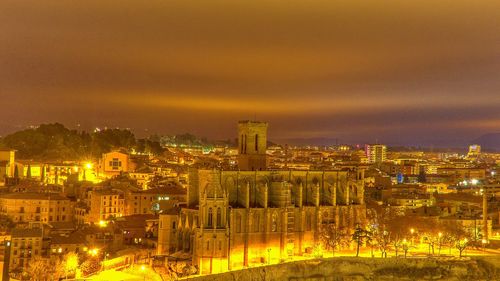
<point x="376" y="153"/>
<point x="72" y="242"/>
<point x="7" y="164"/>
<point x="105" y="204"/>
<point x="153" y="200"/>
<point x="252" y="145"/>
<point x="25" y="244"/>
<point x="474" y="150"/>
<point x="113" y="164"/>
<point x="235" y="219"/>
<point x="42" y="207"/>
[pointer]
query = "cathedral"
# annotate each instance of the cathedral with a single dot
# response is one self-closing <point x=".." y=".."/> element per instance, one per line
<point x="253" y="216"/>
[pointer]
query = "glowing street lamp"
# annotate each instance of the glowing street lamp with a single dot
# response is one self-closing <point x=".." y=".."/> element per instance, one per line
<point x="88" y="166"/>
<point x="93" y="252"/>
<point x="440" y="235"/>
<point x="103" y="223"/>
<point x="412" y="231"/>
<point x="484" y="242"/>
<point x="143" y="269"/>
<point x="406" y="247"/>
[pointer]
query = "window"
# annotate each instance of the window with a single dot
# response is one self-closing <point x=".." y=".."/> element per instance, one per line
<point x="173" y="225"/>
<point x="219" y="217"/>
<point x="210" y="217"/>
<point x="115" y="164"/>
<point x="274" y="223"/>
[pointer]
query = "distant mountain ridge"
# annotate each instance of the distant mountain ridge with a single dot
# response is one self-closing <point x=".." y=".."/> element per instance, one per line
<point x="489" y="141"/>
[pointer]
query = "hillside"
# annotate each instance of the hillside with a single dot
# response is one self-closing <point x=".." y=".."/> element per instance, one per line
<point x="54" y="142"/>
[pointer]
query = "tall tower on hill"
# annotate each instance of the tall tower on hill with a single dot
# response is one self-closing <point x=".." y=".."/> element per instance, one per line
<point x="252" y="145"/>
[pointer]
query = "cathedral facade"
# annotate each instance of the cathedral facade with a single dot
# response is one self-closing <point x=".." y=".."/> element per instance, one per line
<point x="236" y="219"/>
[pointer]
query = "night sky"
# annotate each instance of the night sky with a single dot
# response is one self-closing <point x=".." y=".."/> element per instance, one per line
<point x="400" y="72"/>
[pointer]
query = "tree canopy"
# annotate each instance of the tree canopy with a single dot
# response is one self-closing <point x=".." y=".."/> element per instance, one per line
<point x="55" y="142"/>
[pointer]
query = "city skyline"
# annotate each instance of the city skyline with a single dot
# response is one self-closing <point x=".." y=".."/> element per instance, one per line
<point x="397" y="73"/>
<point x="297" y="140"/>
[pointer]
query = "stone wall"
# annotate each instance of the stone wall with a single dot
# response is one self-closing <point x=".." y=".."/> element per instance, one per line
<point x="343" y="269"/>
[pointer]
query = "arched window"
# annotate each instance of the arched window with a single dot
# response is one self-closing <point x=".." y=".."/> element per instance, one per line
<point x="256" y="143"/>
<point x="274" y="223"/>
<point x="219" y="217"/>
<point x="173" y="225"/>
<point x="210" y="217"/>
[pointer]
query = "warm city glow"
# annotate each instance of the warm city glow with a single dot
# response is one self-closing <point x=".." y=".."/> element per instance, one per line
<point x="249" y="140"/>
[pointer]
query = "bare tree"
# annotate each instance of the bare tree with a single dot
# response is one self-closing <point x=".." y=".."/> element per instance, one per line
<point x="383" y="241"/>
<point x="458" y="236"/>
<point x="37" y="269"/>
<point x="461" y="246"/>
<point x="334" y="237"/>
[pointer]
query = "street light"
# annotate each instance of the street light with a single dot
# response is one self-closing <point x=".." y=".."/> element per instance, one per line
<point x="440" y="235"/>
<point x="94" y="252"/>
<point x="143" y="269"/>
<point x="405" y="247"/>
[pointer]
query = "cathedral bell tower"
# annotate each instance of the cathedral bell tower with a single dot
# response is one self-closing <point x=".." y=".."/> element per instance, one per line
<point x="252" y="145"/>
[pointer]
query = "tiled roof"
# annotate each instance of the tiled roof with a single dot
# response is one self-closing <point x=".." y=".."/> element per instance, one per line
<point x="134" y="221"/>
<point x="33" y="196"/>
<point x="173" y="190"/>
<point x="74" y="238"/>
<point x="26" y="232"/>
